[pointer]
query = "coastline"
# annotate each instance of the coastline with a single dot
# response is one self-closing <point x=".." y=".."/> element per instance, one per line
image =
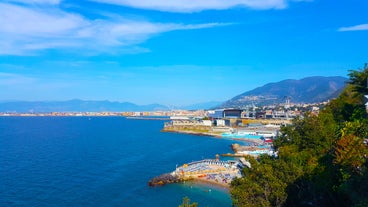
<point x="199" y="181"/>
<point x="209" y="171"/>
<point x="193" y="179"/>
<point x="218" y="178"/>
<point x="208" y="134"/>
<point x="196" y="180"/>
<point x="211" y="182"/>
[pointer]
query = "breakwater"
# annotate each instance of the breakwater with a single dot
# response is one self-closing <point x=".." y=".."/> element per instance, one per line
<point x="193" y="130"/>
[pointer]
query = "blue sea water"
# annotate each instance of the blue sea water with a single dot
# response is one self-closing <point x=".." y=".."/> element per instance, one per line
<point x="99" y="161"/>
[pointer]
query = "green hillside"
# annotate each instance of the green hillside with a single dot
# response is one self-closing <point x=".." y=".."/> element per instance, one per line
<point x="322" y="160"/>
<point x="307" y="90"/>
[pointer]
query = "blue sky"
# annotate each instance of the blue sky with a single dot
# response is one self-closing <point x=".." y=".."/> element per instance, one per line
<point x="175" y="52"/>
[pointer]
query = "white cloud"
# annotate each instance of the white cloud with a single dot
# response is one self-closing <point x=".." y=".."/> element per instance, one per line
<point x="354" y="28"/>
<point x="197" y="5"/>
<point x="25" y="30"/>
<point x="22" y="20"/>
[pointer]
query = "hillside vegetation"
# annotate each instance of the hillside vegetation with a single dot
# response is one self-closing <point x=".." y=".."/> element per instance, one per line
<point x="307" y="90"/>
<point x="322" y="160"/>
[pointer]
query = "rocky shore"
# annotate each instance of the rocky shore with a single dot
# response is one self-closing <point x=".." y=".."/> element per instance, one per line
<point x="164" y="179"/>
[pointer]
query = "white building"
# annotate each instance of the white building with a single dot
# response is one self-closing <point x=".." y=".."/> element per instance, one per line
<point x="207" y="122"/>
<point x="220" y="122"/>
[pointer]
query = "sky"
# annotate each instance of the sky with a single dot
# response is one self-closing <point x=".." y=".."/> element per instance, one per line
<point x="176" y="52"/>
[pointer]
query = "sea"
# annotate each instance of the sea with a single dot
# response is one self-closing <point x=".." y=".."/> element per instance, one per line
<point x="100" y="161"/>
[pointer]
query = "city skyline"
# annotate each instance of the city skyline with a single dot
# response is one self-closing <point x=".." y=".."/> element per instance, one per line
<point x="173" y="53"/>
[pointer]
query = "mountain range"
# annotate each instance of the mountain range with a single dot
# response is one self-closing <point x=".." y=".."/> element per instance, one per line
<point x="307" y="90"/>
<point x="76" y="105"/>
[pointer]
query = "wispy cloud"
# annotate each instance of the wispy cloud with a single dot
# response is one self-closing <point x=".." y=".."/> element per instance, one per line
<point x="354" y="28"/>
<point x="27" y="29"/>
<point x="197" y="5"/>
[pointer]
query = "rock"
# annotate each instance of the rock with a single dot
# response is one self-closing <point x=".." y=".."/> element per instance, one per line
<point x="163" y="179"/>
<point x="235" y="147"/>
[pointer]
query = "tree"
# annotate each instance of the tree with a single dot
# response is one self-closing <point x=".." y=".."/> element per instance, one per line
<point x="322" y="160"/>
<point x="358" y="79"/>
<point x="265" y="183"/>
<point x="350" y="152"/>
<point x="186" y="203"/>
<point x="350" y="105"/>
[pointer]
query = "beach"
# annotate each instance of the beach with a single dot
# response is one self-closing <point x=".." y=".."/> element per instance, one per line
<point x="211" y="171"/>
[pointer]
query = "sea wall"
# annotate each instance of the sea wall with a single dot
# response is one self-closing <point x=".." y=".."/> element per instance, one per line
<point x="196" y="130"/>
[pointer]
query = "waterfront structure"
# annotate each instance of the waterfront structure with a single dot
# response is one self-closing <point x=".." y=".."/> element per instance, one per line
<point x="216" y="114"/>
<point x="225" y="113"/>
<point x="210" y="170"/>
<point x="189" y="122"/>
<point x="233" y="113"/>
<point x="220" y="122"/>
<point x="253" y="150"/>
<point x="206" y="122"/>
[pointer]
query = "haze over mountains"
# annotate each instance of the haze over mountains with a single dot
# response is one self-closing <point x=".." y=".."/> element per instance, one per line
<point x="307" y="90"/>
<point x="76" y="105"/>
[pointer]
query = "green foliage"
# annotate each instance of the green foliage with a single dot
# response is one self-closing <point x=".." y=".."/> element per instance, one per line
<point x="186" y="203"/>
<point x="313" y="134"/>
<point x="266" y="183"/>
<point x="322" y="160"/>
<point x="358" y="79"/>
<point x="350" y="105"/>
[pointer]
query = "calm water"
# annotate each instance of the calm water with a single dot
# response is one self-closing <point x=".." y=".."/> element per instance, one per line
<point x="98" y="161"/>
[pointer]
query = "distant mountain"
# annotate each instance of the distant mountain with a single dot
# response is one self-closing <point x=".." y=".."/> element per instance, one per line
<point x="306" y="90"/>
<point x="76" y="106"/>
<point x="200" y="106"/>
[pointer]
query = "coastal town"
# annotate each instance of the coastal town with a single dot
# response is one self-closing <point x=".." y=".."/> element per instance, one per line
<point x="256" y="133"/>
<point x="252" y="129"/>
<point x="270" y="111"/>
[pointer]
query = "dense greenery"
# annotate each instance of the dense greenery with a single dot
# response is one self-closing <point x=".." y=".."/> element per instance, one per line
<point x="322" y="159"/>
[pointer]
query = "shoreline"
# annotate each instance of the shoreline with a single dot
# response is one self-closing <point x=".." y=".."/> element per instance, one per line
<point x="195" y="180"/>
<point x="209" y="134"/>
<point x="211" y="182"/>
<point x="202" y="182"/>
<point x="209" y="171"/>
